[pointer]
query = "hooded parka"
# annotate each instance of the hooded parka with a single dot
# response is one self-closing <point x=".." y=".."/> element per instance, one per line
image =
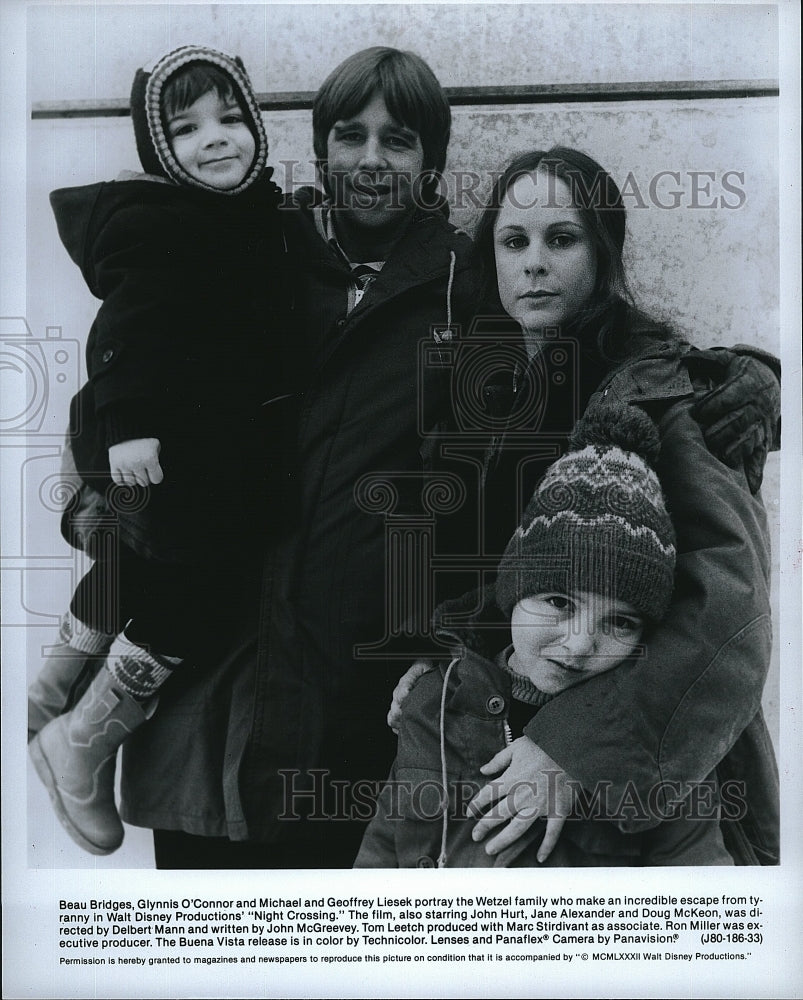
<point x="192" y="341"/>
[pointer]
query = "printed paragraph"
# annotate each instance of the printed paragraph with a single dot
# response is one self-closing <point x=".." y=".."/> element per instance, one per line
<point x="335" y="930"/>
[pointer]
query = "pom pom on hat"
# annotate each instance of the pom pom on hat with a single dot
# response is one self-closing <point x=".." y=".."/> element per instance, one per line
<point x="615" y="425"/>
<point x="597" y="521"/>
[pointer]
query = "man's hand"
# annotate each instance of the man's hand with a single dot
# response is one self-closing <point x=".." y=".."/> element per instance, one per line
<point x="403" y="688"/>
<point x="529" y="785"/>
<point x="136" y="462"/>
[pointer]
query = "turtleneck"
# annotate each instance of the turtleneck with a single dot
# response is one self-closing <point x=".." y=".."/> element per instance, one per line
<point x="521" y="688"/>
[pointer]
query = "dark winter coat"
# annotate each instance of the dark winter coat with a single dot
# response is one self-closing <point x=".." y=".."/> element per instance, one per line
<point x="193" y="338"/>
<point x="416" y="825"/>
<point x="308" y="688"/>
<point x="659" y="726"/>
<point x="291" y="696"/>
<point x="189" y="346"/>
<point x="665" y="723"/>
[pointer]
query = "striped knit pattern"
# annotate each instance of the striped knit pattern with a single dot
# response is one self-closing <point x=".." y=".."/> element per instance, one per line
<point x="523" y="689"/>
<point x="137" y="671"/>
<point x="80" y="637"/>
<point x="597" y="522"/>
<point x="609" y="489"/>
<point x="161" y="73"/>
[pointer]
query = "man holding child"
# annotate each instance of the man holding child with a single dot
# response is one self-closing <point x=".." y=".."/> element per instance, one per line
<point x="272" y="755"/>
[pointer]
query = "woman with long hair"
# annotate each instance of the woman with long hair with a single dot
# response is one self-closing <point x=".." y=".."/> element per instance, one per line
<point x="645" y="740"/>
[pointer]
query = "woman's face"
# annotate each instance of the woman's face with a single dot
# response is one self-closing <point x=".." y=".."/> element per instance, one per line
<point x="545" y="260"/>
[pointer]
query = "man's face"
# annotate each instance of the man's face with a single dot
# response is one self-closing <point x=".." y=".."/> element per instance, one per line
<point x="373" y="162"/>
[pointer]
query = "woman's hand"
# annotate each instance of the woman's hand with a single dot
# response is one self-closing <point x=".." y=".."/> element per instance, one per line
<point x="403" y="688"/>
<point x="136" y="462"/>
<point x="529" y="785"/>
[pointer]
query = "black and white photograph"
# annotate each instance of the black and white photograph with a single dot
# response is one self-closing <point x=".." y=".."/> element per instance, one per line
<point x="400" y="448"/>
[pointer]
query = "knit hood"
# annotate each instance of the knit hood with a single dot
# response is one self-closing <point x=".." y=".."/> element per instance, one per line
<point x="153" y="147"/>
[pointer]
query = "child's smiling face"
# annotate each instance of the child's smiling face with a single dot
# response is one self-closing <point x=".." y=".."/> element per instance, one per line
<point x="372" y="164"/>
<point x="560" y="640"/>
<point x="212" y="142"/>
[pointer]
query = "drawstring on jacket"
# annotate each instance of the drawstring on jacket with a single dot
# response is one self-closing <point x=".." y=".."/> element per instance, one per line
<point x="448" y="333"/>
<point x="445" y="817"/>
<point x="450" y="283"/>
<point x="442" y="857"/>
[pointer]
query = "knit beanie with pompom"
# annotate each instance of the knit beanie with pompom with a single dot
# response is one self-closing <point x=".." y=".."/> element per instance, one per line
<point x="597" y="521"/>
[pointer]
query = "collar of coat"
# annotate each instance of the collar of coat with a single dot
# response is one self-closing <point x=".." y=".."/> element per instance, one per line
<point x="420" y="255"/>
<point x="658" y="374"/>
<point x="472" y="621"/>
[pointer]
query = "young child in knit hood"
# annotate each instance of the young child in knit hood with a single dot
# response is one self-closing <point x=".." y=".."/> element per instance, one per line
<point x="590" y="565"/>
<point x="177" y="437"/>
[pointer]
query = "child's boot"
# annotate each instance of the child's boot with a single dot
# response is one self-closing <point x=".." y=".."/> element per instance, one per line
<point x="75" y="757"/>
<point x="65" y="673"/>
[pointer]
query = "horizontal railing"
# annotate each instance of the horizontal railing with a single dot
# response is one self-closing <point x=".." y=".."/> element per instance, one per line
<point x="546" y="93"/>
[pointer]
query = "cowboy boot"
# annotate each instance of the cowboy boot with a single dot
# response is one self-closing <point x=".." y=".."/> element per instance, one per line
<point x="65" y="674"/>
<point x="75" y="756"/>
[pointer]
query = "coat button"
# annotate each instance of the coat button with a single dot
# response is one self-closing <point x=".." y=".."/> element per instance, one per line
<point x="107" y="356"/>
<point x="495" y="704"/>
<point x="425" y="862"/>
<point x="340" y="324"/>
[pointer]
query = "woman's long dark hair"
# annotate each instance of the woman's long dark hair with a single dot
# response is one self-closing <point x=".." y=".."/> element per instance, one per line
<point x="611" y="318"/>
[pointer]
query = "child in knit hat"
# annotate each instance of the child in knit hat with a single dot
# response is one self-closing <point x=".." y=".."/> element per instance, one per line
<point x="590" y="565"/>
<point x="178" y="437"/>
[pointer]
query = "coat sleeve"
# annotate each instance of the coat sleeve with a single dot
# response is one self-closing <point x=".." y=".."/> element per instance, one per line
<point x="650" y="729"/>
<point x="152" y="299"/>
<point x="378" y="847"/>
<point x="694" y="837"/>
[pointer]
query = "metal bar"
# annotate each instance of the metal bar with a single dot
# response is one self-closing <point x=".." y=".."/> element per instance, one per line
<point x="546" y="93"/>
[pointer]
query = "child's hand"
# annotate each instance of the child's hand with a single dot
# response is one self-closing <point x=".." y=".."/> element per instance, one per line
<point x="136" y="462"/>
<point x="530" y="785"/>
<point x="403" y="688"/>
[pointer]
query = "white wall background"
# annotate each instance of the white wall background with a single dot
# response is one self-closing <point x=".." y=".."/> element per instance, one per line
<point x="713" y="271"/>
